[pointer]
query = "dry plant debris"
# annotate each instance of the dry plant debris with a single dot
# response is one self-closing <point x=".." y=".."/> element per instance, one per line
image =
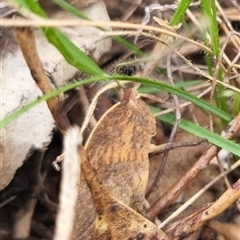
<point x="120" y="158"/>
<point x="114" y="219"/>
<point x="105" y="199"/>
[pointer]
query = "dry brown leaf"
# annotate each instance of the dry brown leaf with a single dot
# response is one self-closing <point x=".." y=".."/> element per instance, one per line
<point x="118" y="149"/>
<point x="114" y="219"/>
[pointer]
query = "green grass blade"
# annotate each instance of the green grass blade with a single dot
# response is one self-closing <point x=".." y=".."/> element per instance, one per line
<point x="161" y="86"/>
<point x="180" y="12"/>
<point x="19" y="112"/>
<point x="201" y="132"/>
<point x="209" y="11"/>
<point x="68" y="49"/>
<point x="64" y="5"/>
<point x="180" y="93"/>
<point x="236" y="103"/>
<point x="212" y="30"/>
<point x="72" y="54"/>
<point x="32" y="6"/>
<point x="128" y="45"/>
<point x="208" y="57"/>
<point x="152" y="90"/>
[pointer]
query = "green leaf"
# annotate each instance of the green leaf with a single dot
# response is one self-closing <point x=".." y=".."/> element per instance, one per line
<point x="183" y="5"/>
<point x="201" y="132"/>
<point x="72" y="54"/>
<point x="71" y="9"/>
<point x="16" y="114"/>
<point x="161" y="86"/>
<point x="236" y="103"/>
<point x="180" y="93"/>
<point x="209" y="11"/>
<point x="32" y="6"/>
<point x="147" y="89"/>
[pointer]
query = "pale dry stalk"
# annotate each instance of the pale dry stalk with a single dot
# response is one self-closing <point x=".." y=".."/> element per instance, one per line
<point x="198" y="194"/>
<point x="69" y="182"/>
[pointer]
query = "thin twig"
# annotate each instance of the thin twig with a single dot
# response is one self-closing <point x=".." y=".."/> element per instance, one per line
<point x="173" y="145"/>
<point x="229" y="25"/>
<point x="183" y="104"/>
<point x="173" y="49"/>
<point x="190" y="224"/>
<point x="73" y="22"/>
<point x="197" y="195"/>
<point x="158" y="7"/>
<point x="131" y="10"/>
<point x="23" y="218"/>
<point x="160" y="100"/>
<point x="26" y="40"/>
<point x="85" y="102"/>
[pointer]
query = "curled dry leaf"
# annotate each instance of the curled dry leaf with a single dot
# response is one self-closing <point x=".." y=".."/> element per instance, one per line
<point x="118" y="149"/>
<point x="114" y="219"/>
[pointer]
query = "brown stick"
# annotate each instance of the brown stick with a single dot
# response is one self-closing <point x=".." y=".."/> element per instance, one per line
<point x="26" y="40"/>
<point x="190" y="224"/>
